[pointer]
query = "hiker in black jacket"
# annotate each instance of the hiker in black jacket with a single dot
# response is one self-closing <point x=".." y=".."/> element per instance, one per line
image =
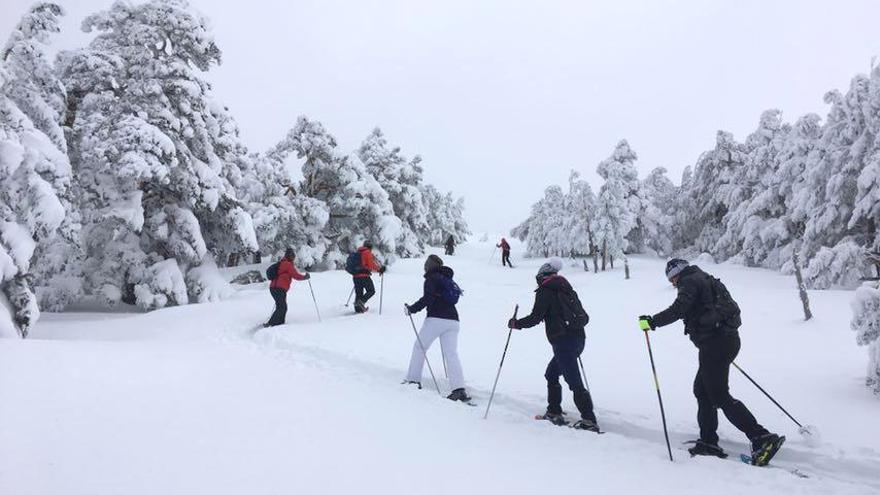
<point x="567" y="343"/>
<point x="700" y="302"/>
<point x="442" y="323"/>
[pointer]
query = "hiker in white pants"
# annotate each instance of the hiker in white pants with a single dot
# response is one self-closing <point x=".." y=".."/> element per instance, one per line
<point x="447" y="332"/>
<point x="440" y="296"/>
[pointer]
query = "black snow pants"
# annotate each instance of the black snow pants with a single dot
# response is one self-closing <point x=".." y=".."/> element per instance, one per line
<point x="566" y="350"/>
<point x="712" y="393"/>
<point x="280" y="313"/>
<point x="505" y="258"/>
<point x="363" y="290"/>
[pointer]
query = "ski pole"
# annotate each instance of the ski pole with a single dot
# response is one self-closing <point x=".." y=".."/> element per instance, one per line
<point x="769" y="396"/>
<point x="584" y="373"/>
<point x="645" y="326"/>
<point x="381" y="290"/>
<point x="443" y="355"/>
<point x="492" y="256"/>
<point x="313" y="299"/>
<point x="424" y="354"/>
<point x="349" y="297"/>
<point x="498" y="375"/>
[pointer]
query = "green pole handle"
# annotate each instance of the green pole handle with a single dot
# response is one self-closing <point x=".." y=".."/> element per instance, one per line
<point x="644" y="325"/>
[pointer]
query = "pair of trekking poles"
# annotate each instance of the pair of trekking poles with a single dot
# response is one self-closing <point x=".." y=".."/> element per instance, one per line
<point x="645" y="327"/>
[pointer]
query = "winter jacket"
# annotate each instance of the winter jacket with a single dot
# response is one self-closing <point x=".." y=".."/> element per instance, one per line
<point x="368" y="263"/>
<point x="548" y="309"/>
<point x="695" y="306"/>
<point x="433" y="298"/>
<point x="504" y="245"/>
<point x="286" y="273"/>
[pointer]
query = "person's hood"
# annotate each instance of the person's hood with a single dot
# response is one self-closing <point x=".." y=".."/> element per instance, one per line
<point x="442" y="270"/>
<point x="554" y="282"/>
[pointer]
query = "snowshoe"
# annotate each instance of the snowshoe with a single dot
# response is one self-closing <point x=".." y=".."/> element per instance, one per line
<point x="459" y="394"/>
<point x="556" y="419"/>
<point x="705" y="448"/>
<point x="586" y="424"/>
<point x="765" y="447"/>
<point x="412" y="382"/>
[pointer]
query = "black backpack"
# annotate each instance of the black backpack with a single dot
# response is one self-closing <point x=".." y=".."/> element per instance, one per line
<point x="353" y="263"/>
<point x="723" y="305"/>
<point x="574" y="316"/>
<point x="272" y="271"/>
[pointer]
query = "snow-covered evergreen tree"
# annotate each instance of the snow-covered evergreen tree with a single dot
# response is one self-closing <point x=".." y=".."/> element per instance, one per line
<point x="401" y="178"/>
<point x="579" y="204"/>
<point x="617" y="203"/>
<point x="656" y="200"/>
<point x="359" y="209"/>
<point x="444" y="216"/>
<point x="38" y="227"/>
<point x="866" y="323"/>
<point x="145" y="135"/>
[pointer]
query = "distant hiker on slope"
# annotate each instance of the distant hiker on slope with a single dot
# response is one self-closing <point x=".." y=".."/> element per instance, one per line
<point x="505" y="252"/>
<point x="558" y="306"/>
<point x="711" y="319"/>
<point x="440" y="297"/>
<point x="280" y="275"/>
<point x="360" y="265"/>
<point x="450" y="245"/>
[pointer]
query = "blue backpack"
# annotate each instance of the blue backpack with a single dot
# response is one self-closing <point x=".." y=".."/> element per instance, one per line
<point x="353" y="263"/>
<point x="449" y="290"/>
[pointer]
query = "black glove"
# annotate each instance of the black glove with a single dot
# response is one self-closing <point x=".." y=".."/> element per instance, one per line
<point x="382" y="269"/>
<point x="650" y="320"/>
<point x="511" y="324"/>
<point x="307" y="276"/>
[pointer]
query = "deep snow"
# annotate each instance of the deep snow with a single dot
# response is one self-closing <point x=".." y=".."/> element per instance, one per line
<point x="190" y="400"/>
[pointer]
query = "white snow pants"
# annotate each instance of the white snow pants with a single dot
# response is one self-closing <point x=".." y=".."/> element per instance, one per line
<point x="447" y="331"/>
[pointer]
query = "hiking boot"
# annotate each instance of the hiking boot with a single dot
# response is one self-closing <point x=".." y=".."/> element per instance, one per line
<point x="412" y="382"/>
<point x="765" y="447"/>
<point x="556" y="419"/>
<point x="705" y="448"/>
<point x="459" y="394"/>
<point x="586" y="424"/>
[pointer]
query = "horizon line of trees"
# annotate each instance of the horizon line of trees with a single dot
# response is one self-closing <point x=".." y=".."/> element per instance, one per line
<point x="122" y="177"/>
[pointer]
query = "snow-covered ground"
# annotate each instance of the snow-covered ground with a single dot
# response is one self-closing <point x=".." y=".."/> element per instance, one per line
<point x="188" y="400"/>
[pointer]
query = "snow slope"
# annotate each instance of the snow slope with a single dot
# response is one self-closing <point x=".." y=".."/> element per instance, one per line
<point x="190" y="400"/>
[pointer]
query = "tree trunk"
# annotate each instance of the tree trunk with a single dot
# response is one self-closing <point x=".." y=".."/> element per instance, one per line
<point x="258" y="257"/>
<point x="586" y="266"/>
<point x="595" y="260"/>
<point x="611" y="261"/>
<point x="604" y="255"/>
<point x="805" y="300"/>
<point x="626" y="266"/>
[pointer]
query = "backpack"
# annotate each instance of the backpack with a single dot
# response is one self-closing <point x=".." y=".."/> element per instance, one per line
<point x="574" y="316"/>
<point x="726" y="309"/>
<point x="353" y="263"/>
<point x="449" y="290"/>
<point x="272" y="271"/>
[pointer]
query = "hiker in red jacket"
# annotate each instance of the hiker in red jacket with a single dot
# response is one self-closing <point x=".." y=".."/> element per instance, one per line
<point x="363" y="284"/>
<point x="505" y="252"/>
<point x="279" y="286"/>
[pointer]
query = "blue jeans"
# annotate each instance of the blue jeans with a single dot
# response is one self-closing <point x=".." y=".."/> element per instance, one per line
<point x="566" y="350"/>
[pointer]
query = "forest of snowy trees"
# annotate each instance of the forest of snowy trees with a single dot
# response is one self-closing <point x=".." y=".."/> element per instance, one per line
<point x="808" y="187"/>
<point x="123" y="179"/>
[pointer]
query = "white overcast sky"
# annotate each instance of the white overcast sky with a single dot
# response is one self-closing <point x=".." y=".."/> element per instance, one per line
<point x="502" y="98"/>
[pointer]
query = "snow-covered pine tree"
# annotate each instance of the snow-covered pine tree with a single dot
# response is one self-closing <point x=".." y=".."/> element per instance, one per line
<point x="866" y="324"/>
<point x="656" y="200"/>
<point x="401" y="178"/>
<point x="39" y="229"/>
<point x="155" y="195"/>
<point x="617" y="203"/>
<point x="713" y="182"/>
<point x="359" y="209"/>
<point x="444" y="216"/>
<point x="579" y="204"/>
<point x="747" y="201"/>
